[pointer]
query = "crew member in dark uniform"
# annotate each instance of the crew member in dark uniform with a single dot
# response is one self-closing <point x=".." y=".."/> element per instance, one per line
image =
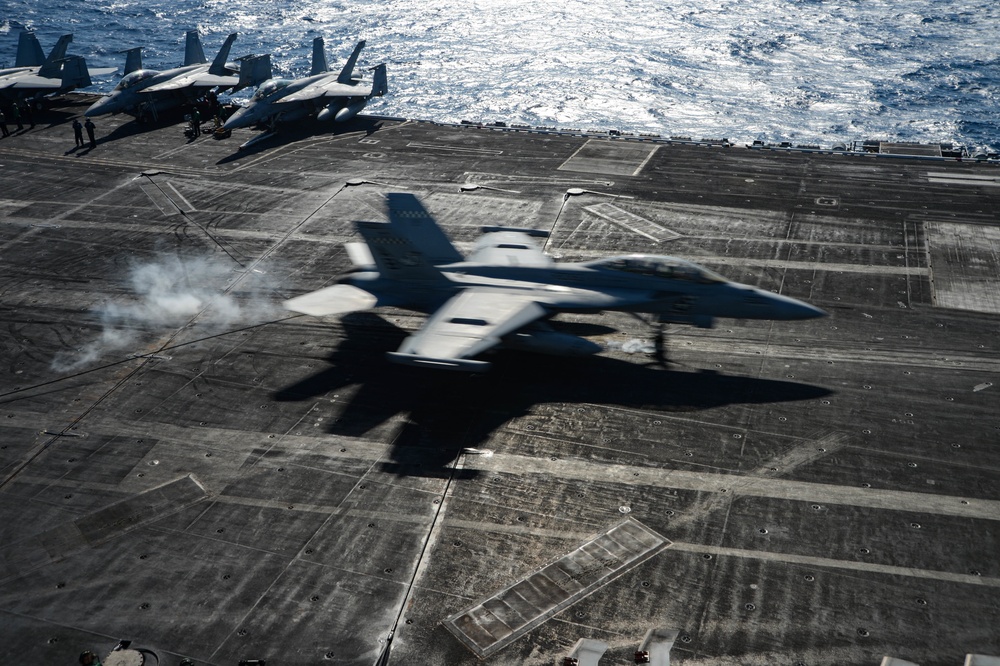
<point x="90" y="132"/>
<point x="78" y="132"/>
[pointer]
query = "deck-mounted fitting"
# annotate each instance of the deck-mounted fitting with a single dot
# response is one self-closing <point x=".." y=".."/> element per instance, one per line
<point x="655" y="646"/>
<point x="586" y="652"/>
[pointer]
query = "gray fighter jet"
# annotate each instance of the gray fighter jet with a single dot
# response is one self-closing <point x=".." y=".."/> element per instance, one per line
<point x="147" y="91"/>
<point x="33" y="75"/>
<point x="323" y="94"/>
<point x="503" y="293"/>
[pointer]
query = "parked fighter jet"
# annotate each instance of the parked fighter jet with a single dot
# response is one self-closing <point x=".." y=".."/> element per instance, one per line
<point x="150" y="91"/>
<point x="327" y="96"/>
<point x="34" y="75"/>
<point x="503" y="293"/>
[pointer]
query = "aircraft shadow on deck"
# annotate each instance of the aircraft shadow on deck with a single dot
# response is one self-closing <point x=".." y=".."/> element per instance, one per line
<point x="449" y="411"/>
<point x="305" y="129"/>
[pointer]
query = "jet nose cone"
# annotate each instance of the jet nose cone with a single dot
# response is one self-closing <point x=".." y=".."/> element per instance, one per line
<point x="790" y="308"/>
<point x="242" y="118"/>
<point x="99" y="108"/>
<point x="815" y="312"/>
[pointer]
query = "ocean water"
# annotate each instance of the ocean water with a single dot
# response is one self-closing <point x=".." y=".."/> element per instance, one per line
<point x="806" y="71"/>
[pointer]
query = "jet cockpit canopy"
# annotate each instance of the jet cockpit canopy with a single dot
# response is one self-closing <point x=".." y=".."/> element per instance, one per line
<point x="270" y="87"/>
<point x="659" y="266"/>
<point x="135" y="77"/>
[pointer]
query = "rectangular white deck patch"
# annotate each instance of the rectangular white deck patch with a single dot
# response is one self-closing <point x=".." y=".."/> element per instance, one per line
<point x="497" y="621"/>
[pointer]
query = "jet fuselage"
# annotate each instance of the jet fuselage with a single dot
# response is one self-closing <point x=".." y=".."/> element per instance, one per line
<point x="671" y="288"/>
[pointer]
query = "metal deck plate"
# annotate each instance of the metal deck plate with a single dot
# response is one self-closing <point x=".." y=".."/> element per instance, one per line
<point x="504" y="617"/>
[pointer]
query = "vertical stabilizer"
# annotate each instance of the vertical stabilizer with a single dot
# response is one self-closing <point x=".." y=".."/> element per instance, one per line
<point x="75" y="73"/>
<point x="50" y="68"/>
<point x="193" y="53"/>
<point x="254" y="70"/>
<point x="218" y="67"/>
<point x="29" y="51"/>
<point x="319" y="58"/>
<point x="133" y="60"/>
<point x="347" y="73"/>
<point x="380" y="82"/>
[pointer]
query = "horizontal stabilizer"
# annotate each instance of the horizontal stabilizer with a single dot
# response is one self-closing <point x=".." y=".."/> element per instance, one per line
<point x="102" y="71"/>
<point x="360" y="255"/>
<point x="335" y="300"/>
<point x="459" y="364"/>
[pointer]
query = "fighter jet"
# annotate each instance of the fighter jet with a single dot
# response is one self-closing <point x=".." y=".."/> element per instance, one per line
<point x="150" y="91"/>
<point x="34" y="75"/>
<point x="322" y="94"/>
<point x="504" y="292"/>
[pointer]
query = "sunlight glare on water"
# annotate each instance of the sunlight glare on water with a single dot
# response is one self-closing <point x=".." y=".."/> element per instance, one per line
<point x="807" y="71"/>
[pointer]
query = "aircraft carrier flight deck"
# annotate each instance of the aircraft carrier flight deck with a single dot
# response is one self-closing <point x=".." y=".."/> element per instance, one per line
<point x="237" y="482"/>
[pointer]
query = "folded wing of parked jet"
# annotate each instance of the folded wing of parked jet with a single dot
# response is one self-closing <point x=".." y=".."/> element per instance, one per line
<point x="323" y="94"/>
<point x="218" y="74"/>
<point x="33" y="76"/>
<point x="343" y="85"/>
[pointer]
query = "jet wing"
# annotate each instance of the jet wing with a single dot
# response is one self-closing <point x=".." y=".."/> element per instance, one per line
<point x="509" y="248"/>
<point x="326" y="88"/>
<point x="203" y="80"/>
<point x="33" y="81"/>
<point x="468" y="324"/>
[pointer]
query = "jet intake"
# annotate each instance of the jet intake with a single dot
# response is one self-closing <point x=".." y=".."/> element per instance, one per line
<point x="551" y="342"/>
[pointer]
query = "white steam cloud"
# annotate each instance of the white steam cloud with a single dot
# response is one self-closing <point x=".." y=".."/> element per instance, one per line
<point x="171" y="291"/>
<point x="633" y="346"/>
